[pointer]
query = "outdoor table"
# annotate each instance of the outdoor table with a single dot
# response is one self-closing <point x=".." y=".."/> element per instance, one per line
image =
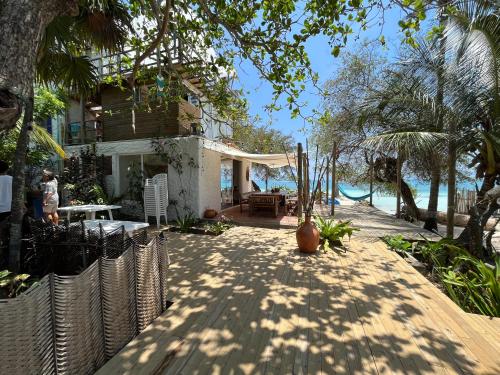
<point x="90" y="210"/>
<point x="108" y="225"/>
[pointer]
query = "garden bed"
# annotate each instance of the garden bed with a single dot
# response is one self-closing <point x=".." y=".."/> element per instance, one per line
<point x="472" y="283"/>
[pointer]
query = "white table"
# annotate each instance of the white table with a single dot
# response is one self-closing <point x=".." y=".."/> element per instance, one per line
<point x="109" y="226"/>
<point x="90" y="210"/>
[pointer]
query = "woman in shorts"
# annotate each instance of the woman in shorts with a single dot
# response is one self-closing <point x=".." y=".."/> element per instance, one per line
<point x="50" y="197"/>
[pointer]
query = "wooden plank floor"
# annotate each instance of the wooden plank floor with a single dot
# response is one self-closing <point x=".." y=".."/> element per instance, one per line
<point x="247" y="302"/>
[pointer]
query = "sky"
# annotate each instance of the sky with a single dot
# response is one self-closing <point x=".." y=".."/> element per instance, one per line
<point x="259" y="92"/>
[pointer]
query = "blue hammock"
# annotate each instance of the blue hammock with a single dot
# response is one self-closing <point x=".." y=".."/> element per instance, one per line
<point x="354" y="198"/>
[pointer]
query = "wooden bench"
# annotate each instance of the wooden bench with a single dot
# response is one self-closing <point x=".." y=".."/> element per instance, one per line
<point x="264" y="201"/>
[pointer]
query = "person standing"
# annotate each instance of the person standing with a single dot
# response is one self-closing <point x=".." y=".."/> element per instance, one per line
<point x="5" y="191"/>
<point x="50" y="197"/>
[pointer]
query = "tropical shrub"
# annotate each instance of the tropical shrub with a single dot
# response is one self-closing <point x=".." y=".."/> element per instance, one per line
<point x="219" y="227"/>
<point x="332" y="233"/>
<point x="471" y="283"/>
<point x="12" y="285"/>
<point x="476" y="289"/>
<point x="186" y="223"/>
<point x="399" y="244"/>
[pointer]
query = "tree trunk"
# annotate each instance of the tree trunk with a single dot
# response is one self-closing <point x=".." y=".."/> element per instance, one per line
<point x="22" y="26"/>
<point x="472" y="235"/>
<point x="385" y="170"/>
<point x="16" y="219"/>
<point x="452" y="182"/>
<point x="431" y="219"/>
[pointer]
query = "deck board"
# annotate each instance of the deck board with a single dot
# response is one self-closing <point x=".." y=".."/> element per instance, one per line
<point x="248" y="302"/>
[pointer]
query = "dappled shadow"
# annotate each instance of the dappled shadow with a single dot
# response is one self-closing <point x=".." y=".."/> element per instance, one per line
<point x="249" y="302"/>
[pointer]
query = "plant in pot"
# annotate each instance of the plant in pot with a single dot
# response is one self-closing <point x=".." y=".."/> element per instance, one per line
<point x="331" y="233"/>
<point x="307" y="233"/>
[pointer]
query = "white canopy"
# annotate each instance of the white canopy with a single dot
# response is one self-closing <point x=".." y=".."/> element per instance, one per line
<point x="271" y="160"/>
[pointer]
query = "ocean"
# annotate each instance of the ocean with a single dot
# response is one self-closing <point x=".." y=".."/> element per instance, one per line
<point x="383" y="202"/>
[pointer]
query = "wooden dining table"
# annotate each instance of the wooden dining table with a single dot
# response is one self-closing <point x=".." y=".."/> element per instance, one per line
<point x="265" y="200"/>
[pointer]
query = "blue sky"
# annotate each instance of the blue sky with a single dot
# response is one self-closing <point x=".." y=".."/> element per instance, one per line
<point x="259" y="92"/>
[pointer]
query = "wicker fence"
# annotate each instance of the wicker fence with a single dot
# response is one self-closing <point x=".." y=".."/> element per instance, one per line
<point x="74" y="324"/>
<point x="464" y="200"/>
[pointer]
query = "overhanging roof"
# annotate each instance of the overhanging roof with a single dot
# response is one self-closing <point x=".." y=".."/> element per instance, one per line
<point x="271" y="160"/>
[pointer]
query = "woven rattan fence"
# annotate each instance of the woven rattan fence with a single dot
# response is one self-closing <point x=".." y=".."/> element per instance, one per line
<point x="74" y="324"/>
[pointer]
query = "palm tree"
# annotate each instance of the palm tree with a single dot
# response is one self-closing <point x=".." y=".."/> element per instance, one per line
<point x="62" y="62"/>
<point x="470" y="106"/>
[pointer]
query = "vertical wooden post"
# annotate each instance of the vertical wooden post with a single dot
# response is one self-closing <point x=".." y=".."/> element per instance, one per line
<point x="300" y="190"/>
<point x="327" y="179"/>
<point x="82" y="123"/>
<point x="306" y="182"/>
<point x="371" y="180"/>
<point x="398" y="188"/>
<point x="334" y="181"/>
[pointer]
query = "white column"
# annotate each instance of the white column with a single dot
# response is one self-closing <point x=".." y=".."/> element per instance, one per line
<point x="115" y="171"/>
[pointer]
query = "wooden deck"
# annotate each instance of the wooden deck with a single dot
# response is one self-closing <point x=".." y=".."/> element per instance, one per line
<point x="247" y="302"/>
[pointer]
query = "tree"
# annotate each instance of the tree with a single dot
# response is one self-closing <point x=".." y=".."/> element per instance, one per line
<point x="63" y="33"/>
<point x="470" y="107"/>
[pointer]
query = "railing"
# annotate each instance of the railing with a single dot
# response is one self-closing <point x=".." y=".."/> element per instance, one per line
<point x="122" y="62"/>
<point x="90" y="133"/>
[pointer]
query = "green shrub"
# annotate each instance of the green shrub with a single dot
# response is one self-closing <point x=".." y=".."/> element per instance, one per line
<point x="331" y="232"/>
<point x="399" y="244"/>
<point x="12" y="285"/>
<point x="473" y="284"/>
<point x="186" y="222"/>
<point x="219" y="227"/>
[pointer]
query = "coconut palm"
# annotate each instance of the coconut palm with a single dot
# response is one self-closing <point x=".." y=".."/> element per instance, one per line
<point x="62" y="61"/>
<point x="471" y="104"/>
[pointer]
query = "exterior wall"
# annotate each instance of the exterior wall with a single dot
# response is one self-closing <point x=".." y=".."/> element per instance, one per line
<point x="210" y="181"/>
<point x="74" y="113"/>
<point x="184" y="188"/>
<point x="159" y="121"/>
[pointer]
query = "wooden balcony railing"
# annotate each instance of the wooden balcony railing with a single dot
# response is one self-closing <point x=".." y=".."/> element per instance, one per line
<point x="76" y="134"/>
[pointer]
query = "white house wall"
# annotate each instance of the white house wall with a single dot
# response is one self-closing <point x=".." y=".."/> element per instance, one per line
<point x="184" y="187"/>
<point x="210" y="181"/>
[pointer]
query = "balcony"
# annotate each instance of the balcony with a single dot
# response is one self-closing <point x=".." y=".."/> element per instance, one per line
<point x="75" y="134"/>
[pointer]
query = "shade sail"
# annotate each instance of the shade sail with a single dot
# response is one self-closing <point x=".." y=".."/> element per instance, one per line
<point x="271" y="160"/>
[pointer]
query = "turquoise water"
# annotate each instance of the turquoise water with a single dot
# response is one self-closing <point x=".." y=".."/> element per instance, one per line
<point x="384" y="202"/>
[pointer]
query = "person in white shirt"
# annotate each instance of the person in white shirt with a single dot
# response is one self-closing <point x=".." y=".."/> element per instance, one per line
<point x="5" y="191"/>
<point x="50" y="197"/>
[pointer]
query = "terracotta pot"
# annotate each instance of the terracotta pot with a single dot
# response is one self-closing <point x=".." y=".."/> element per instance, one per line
<point x="210" y="213"/>
<point x="307" y="236"/>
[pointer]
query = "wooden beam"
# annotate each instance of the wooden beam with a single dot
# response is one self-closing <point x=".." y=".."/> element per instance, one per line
<point x="398" y="186"/>
<point x="371" y="180"/>
<point x="334" y="181"/>
<point x="300" y="190"/>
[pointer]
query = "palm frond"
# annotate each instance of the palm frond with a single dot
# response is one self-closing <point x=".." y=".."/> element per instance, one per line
<point x="406" y="142"/>
<point x="74" y="73"/>
<point x="41" y="137"/>
<point x="44" y="140"/>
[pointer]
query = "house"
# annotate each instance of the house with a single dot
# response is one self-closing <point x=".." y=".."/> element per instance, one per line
<point x="183" y="138"/>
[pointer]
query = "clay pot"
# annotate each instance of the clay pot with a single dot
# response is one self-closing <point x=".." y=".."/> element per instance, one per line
<point x="210" y="213"/>
<point x="307" y="236"/>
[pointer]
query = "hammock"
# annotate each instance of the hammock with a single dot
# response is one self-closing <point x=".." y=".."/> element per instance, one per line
<point x="354" y="198"/>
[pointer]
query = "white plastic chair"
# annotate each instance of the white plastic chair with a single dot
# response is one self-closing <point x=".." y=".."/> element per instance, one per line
<point x="156" y="197"/>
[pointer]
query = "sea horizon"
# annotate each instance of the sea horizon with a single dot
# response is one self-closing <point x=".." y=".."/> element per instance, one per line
<point x="383" y="201"/>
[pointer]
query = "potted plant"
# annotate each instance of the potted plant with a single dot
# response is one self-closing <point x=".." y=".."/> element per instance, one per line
<point x="307" y="233"/>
